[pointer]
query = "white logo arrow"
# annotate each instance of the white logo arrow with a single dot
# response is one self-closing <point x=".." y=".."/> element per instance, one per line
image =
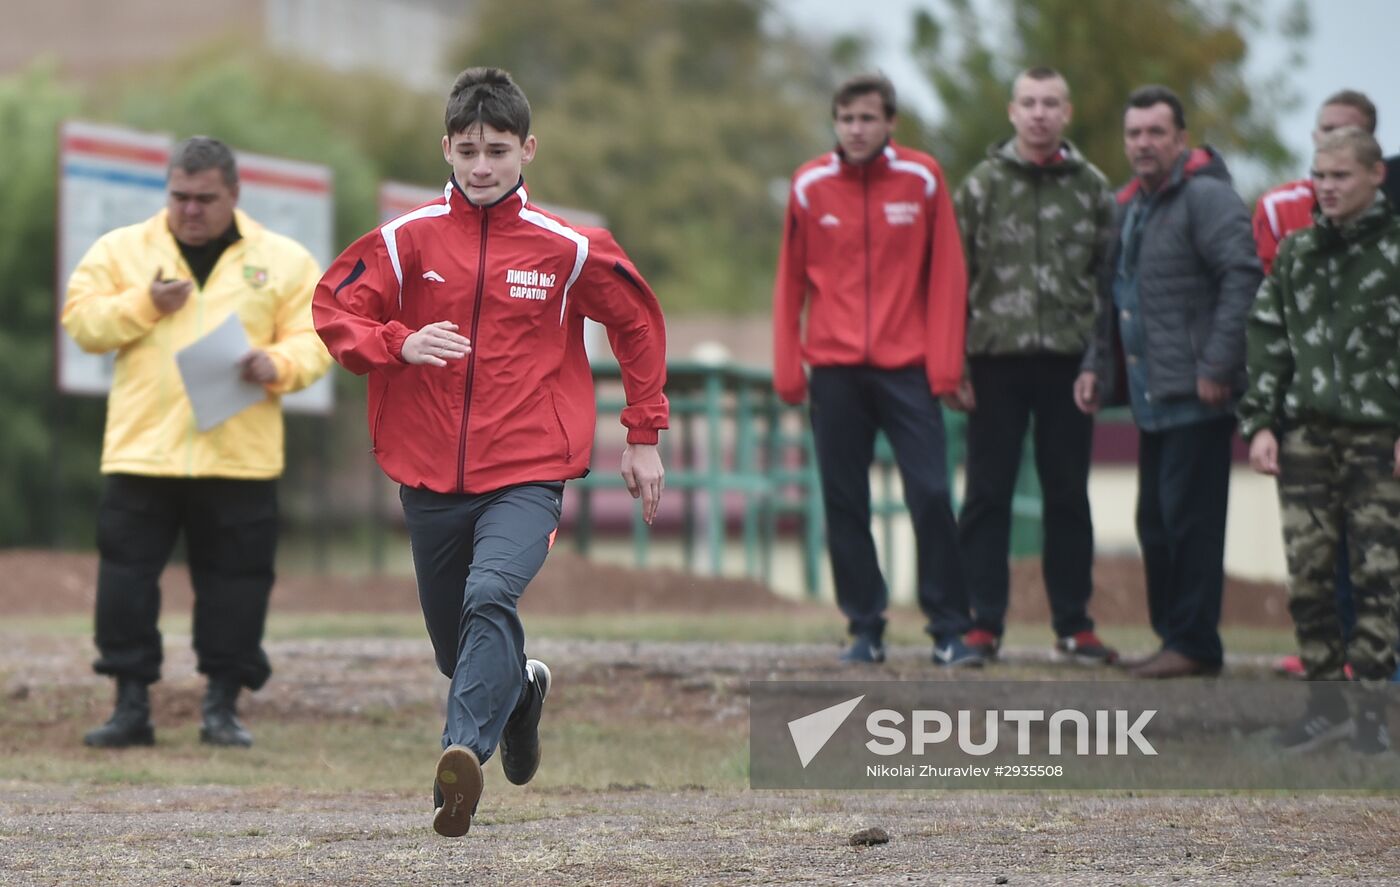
<point x="811" y="733"/>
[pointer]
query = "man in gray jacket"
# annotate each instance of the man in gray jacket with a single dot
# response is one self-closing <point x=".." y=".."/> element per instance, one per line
<point x="1173" y="302"/>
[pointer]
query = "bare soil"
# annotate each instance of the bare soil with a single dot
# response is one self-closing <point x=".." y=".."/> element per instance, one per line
<point x="629" y="833"/>
<point x="47" y="582"/>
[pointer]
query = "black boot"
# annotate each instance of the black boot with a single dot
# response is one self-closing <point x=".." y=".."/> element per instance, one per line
<point x="130" y="723"/>
<point x="221" y="726"/>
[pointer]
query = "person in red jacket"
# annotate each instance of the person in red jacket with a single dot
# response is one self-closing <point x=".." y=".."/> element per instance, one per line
<point x="467" y="313"/>
<point x="871" y="251"/>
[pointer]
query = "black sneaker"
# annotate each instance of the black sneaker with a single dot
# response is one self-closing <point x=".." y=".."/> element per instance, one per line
<point x="458" y="784"/>
<point x="1324" y="722"/>
<point x="864" y="648"/>
<point x="953" y="652"/>
<point x="1372" y="732"/>
<point x="520" y="743"/>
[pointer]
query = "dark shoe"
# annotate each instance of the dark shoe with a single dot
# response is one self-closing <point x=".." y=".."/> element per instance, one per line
<point x="458" y="784"/>
<point x="1085" y="648"/>
<point x="953" y="652"/>
<point x="1371" y="735"/>
<point x="221" y="724"/>
<point x="983" y="643"/>
<point x="1326" y="720"/>
<point x="864" y="648"/>
<point x="520" y="743"/>
<point x="1171" y="664"/>
<point x="130" y="723"/>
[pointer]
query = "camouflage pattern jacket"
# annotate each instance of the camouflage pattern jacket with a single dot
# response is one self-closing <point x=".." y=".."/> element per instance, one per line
<point x="1324" y="336"/>
<point x="1034" y="235"/>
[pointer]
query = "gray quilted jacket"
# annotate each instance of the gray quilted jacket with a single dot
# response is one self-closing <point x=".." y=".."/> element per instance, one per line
<point x="1197" y="277"/>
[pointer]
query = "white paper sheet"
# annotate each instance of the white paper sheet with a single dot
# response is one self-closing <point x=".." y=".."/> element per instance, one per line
<point x="213" y="380"/>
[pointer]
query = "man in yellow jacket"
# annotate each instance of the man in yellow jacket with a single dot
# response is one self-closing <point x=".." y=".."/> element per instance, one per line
<point x="146" y="291"/>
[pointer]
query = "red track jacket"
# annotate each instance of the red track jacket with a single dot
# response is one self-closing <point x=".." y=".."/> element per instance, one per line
<point x="875" y="250"/>
<point x="518" y="282"/>
<point x="1279" y="213"/>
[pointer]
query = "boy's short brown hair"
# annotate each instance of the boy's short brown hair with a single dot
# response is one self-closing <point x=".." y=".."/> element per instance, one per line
<point x="489" y="96"/>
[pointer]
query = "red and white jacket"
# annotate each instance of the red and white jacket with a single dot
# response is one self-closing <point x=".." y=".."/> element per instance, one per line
<point x="518" y="282"/>
<point x="872" y="251"/>
<point x="1279" y="213"/>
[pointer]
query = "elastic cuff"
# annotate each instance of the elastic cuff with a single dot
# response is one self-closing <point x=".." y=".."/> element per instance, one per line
<point x="645" y="436"/>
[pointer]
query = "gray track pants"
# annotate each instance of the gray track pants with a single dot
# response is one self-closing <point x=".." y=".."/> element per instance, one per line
<point x="474" y="555"/>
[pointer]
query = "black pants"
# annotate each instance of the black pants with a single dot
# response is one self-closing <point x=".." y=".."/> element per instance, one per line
<point x="849" y="405"/>
<point x="230" y="529"/>
<point x="1183" y="493"/>
<point x="1009" y="391"/>
<point x="474" y="555"/>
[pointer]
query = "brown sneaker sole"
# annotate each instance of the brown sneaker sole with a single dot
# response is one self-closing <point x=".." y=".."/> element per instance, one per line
<point x="459" y="779"/>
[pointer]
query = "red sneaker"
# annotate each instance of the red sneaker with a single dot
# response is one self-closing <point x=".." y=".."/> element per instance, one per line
<point x="1085" y="648"/>
<point x="983" y="642"/>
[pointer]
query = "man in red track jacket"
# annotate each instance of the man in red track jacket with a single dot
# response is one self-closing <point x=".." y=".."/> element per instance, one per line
<point x="467" y="314"/>
<point x="871" y="251"/>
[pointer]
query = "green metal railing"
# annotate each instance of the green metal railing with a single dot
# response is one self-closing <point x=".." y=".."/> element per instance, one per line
<point x="730" y="435"/>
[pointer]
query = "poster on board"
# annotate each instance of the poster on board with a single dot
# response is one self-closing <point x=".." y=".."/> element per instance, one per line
<point x="111" y="176"/>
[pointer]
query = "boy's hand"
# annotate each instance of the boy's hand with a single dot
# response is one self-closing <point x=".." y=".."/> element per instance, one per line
<point x="644" y="476"/>
<point x="436" y="344"/>
<point x="1263" y="452"/>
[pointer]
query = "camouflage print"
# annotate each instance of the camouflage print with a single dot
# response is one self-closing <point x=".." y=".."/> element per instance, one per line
<point x="1329" y="474"/>
<point x="1322" y="339"/>
<point x="1034" y="236"/>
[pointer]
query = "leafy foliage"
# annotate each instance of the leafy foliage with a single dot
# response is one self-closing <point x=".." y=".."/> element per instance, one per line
<point x="678" y="120"/>
<point x="1106" y="49"/>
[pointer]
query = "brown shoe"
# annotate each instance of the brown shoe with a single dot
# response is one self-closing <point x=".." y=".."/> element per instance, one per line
<point x="1171" y="664"/>
<point x="1138" y="661"/>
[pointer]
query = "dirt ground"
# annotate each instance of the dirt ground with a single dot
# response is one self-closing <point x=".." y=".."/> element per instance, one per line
<point x="45" y="582"/>
<point x="626" y="833"/>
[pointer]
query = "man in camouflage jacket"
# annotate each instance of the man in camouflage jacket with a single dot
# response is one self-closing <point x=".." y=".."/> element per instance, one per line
<point x="1035" y="218"/>
<point x="1322" y="413"/>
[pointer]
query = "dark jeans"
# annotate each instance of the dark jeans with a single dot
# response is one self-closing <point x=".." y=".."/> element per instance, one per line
<point x="849" y="405"/>
<point x="474" y="555"/>
<point x="1009" y="391"/>
<point x="230" y="529"/>
<point x="1183" y="492"/>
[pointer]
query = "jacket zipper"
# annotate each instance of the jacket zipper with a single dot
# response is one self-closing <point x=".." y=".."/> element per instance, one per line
<point x="1039" y="296"/>
<point x="865" y="191"/>
<point x="471" y="358"/>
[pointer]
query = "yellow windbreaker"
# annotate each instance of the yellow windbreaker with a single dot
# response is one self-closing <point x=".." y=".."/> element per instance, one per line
<point x="265" y="277"/>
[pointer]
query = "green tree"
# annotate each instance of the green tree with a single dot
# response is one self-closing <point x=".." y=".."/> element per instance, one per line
<point x="972" y="49"/>
<point x="678" y="120"/>
<point x="33" y="462"/>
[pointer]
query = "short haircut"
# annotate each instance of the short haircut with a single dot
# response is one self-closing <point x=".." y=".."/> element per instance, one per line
<point x="864" y="84"/>
<point x="198" y="153"/>
<point x="1362" y="144"/>
<point x="1147" y="96"/>
<point x="489" y="96"/>
<point x="1041" y="73"/>
<point x="1353" y="99"/>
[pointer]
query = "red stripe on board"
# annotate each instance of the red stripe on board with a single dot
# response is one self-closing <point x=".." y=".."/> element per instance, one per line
<point x="117" y="150"/>
<point x="283" y="180"/>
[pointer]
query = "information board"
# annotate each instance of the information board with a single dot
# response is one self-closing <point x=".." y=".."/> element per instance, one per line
<point x="112" y="176"/>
